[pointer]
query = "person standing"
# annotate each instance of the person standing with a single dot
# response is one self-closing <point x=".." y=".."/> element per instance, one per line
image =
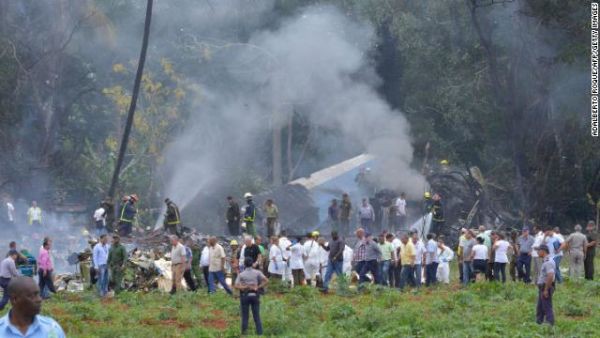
<point x="467" y="250"/>
<point x="525" y="245"/>
<point x="117" y="258"/>
<point x="431" y="260"/>
<point x="333" y="213"/>
<point x="407" y="258"/>
<point x="100" y="221"/>
<point x="479" y="257"/>
<point x="204" y="263"/>
<point x="335" y="257"/>
<point x="437" y="213"/>
<point x="100" y="261"/>
<point x="500" y="249"/>
<point x="558" y="252"/>
<point x="178" y="263"/>
<point x="312" y="258"/>
<point x="576" y="246"/>
<point x="249" y="282"/>
<point x="172" y="222"/>
<point x="297" y="261"/>
<point x="250" y="214"/>
<point x="196" y="269"/>
<point x="8" y="271"/>
<point x="401" y="211"/>
<point x="345" y="214"/>
<point x="419" y="258"/>
<point x="445" y="256"/>
<point x="460" y="253"/>
<point x="272" y="214"/>
<point x="234" y="261"/>
<point x="24" y="319"/>
<point x="10" y="213"/>
<point x="45" y="268"/>
<point x="538" y="240"/>
<point x="513" y="255"/>
<point x="387" y="253"/>
<point x="127" y="215"/>
<point x="277" y="262"/>
<point x="233" y="217"/>
<point x="545" y="283"/>
<point x="34" y="215"/>
<point x="251" y="250"/>
<point x="217" y="266"/>
<point x="366" y="214"/>
<point x="395" y="265"/>
<point x="590" y="254"/>
<point x="372" y="256"/>
<point x="187" y="274"/>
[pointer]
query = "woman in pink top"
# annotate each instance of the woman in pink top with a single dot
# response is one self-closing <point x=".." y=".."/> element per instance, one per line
<point x="45" y="269"/>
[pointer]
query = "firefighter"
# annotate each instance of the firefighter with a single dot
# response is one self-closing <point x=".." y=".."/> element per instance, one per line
<point x="127" y="214"/>
<point x="172" y="222"/>
<point x="437" y="213"/>
<point x="427" y="202"/>
<point x="250" y="214"/>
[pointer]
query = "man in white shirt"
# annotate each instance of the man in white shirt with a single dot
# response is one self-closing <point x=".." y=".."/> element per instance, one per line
<point x="445" y="256"/>
<point x="296" y="256"/>
<point x="431" y="260"/>
<point x="312" y="258"/>
<point x="100" y="220"/>
<point x="284" y="244"/>
<point x="401" y="211"/>
<point x="395" y="268"/>
<point x="558" y="255"/>
<point x="277" y="262"/>
<point x="536" y="260"/>
<point x="204" y="263"/>
<point x="500" y="257"/>
<point x="216" y="266"/>
<point x="419" y="258"/>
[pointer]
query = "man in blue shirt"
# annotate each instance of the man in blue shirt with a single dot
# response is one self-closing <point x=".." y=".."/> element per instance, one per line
<point x="100" y="260"/>
<point x="23" y="320"/>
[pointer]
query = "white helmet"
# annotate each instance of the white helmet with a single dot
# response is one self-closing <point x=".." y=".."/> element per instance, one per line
<point x="247" y="195"/>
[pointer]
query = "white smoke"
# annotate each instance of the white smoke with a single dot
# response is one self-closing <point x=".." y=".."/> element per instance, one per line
<point x="319" y="61"/>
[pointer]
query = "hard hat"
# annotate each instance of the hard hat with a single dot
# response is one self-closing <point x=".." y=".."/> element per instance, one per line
<point x="247" y="195"/>
<point x="233" y="242"/>
<point x="427" y="194"/>
<point x="444" y="162"/>
<point x="85" y="232"/>
<point x="315" y="234"/>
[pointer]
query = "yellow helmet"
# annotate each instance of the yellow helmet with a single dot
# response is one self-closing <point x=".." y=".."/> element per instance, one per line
<point x="315" y="234"/>
<point x="444" y="162"/>
<point x="427" y="194"/>
<point x="233" y="242"/>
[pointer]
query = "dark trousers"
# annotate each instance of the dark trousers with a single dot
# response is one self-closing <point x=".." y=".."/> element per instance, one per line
<point x="5" y="297"/>
<point x="394" y="275"/>
<point x="524" y="267"/>
<point x="271" y="226"/>
<point x="500" y="270"/>
<point x="125" y="229"/>
<point x="588" y="266"/>
<point x="233" y="227"/>
<point x="460" y="272"/>
<point x="366" y="224"/>
<point x="407" y="276"/>
<point x="332" y="267"/>
<point x="431" y="273"/>
<point x="365" y="267"/>
<point x="298" y="276"/>
<point x="46" y="281"/>
<point x="205" y="273"/>
<point x="544" y="306"/>
<point x="187" y="275"/>
<point x="247" y="302"/>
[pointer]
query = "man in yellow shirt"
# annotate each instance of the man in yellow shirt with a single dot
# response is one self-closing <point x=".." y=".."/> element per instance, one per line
<point x="407" y="259"/>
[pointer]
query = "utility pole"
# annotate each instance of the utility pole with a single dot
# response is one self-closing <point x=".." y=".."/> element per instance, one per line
<point x="134" y="96"/>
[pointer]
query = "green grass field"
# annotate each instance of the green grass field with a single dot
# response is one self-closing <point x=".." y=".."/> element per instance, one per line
<point x="482" y="310"/>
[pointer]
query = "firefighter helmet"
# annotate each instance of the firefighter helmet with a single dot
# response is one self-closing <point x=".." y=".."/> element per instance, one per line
<point x="427" y="195"/>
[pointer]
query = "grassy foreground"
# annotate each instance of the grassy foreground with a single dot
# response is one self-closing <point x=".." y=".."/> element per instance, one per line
<point x="485" y="309"/>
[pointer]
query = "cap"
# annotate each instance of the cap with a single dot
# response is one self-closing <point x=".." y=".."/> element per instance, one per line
<point x="525" y="229"/>
<point x="233" y="242"/>
<point x="543" y="247"/>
